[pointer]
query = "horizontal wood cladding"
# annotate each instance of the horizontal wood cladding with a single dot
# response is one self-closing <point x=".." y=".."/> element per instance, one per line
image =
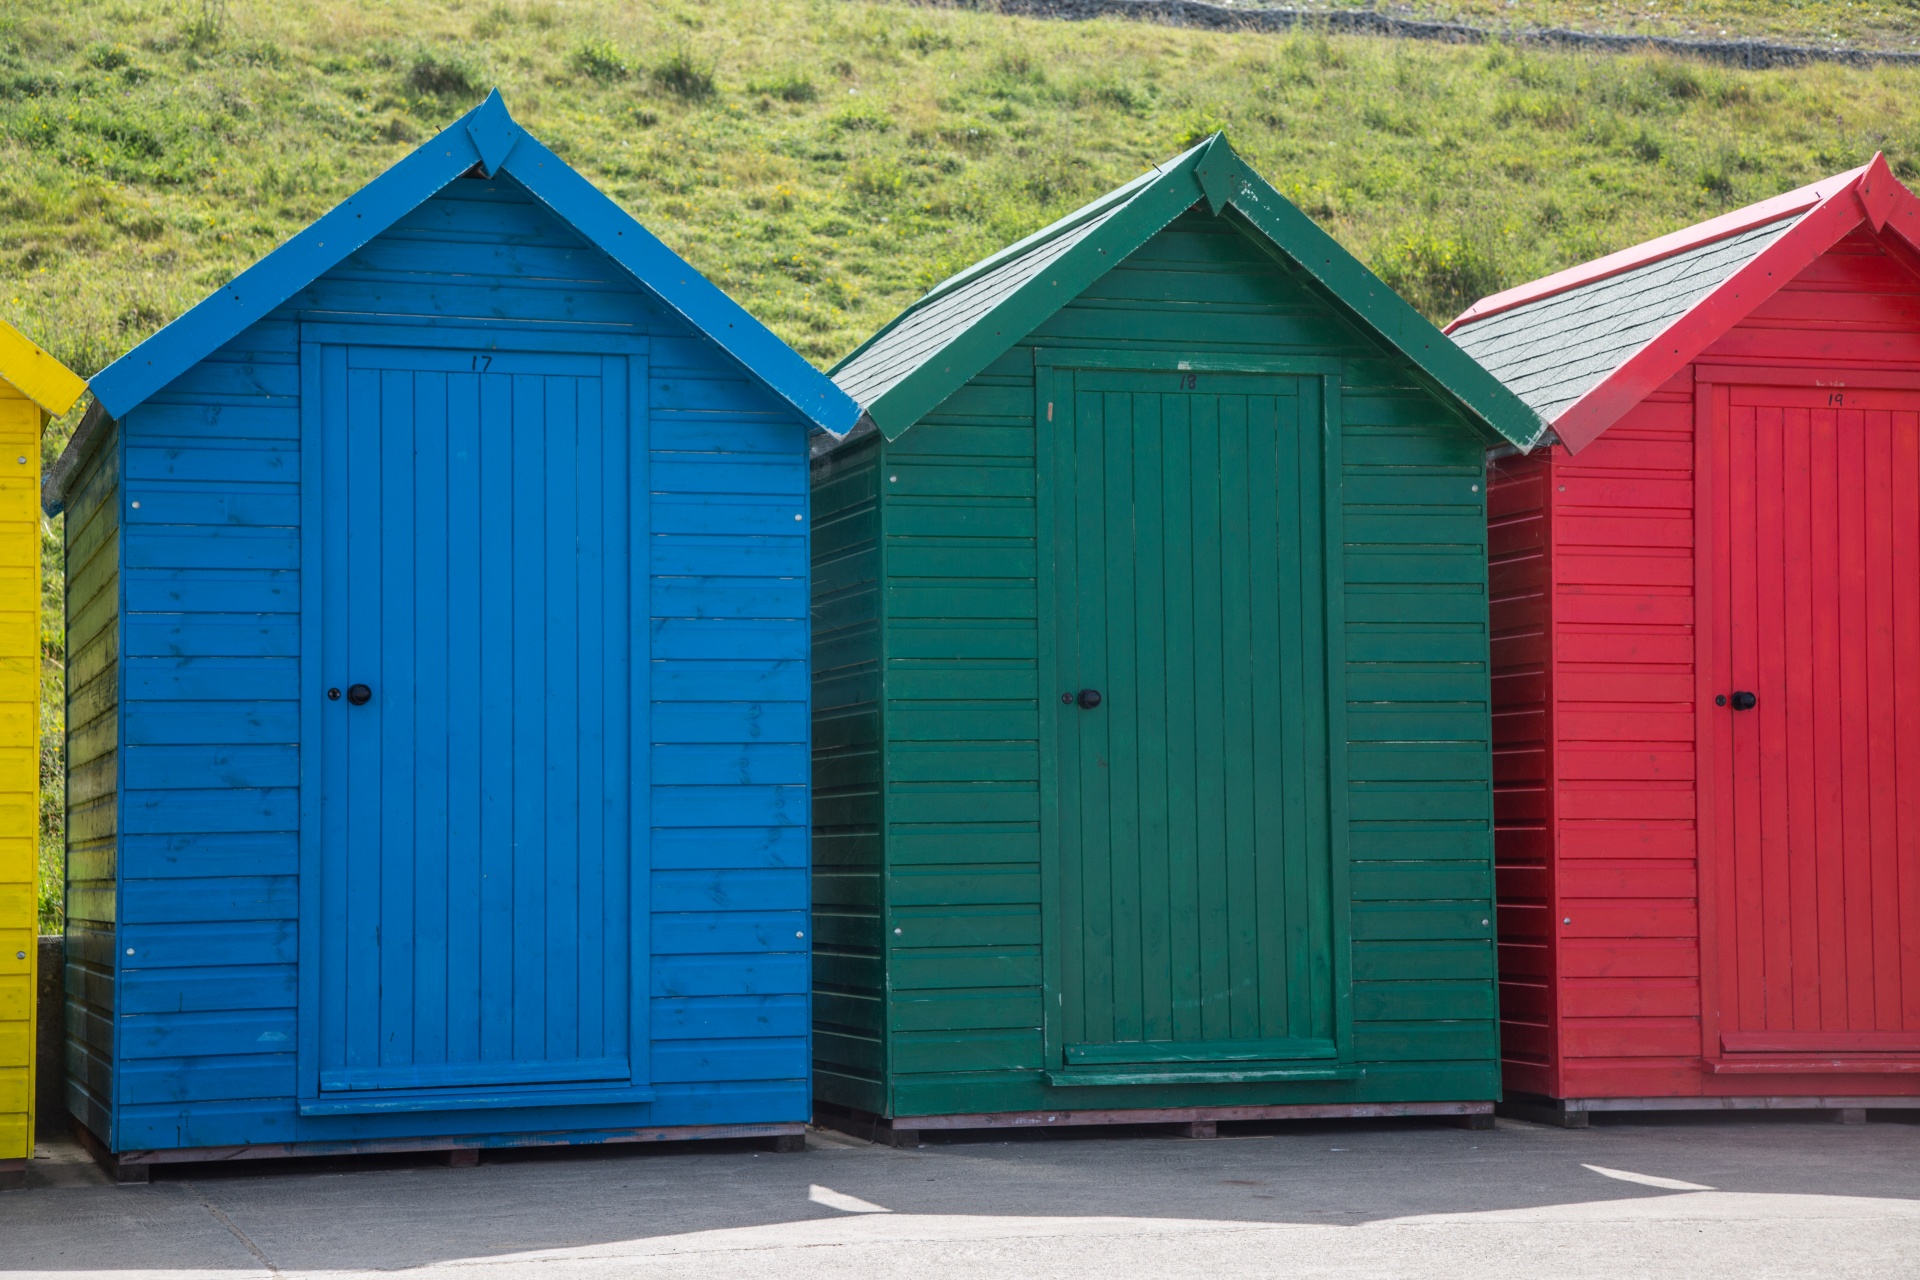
<point x="1626" y="907"/>
<point x="20" y="587"/>
<point x="1520" y="599"/>
<point x="958" y="603"/>
<point x="849" y="988"/>
<point x="206" y="848"/>
<point x="94" y="636"/>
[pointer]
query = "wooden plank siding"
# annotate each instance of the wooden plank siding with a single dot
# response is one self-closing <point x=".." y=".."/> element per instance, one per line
<point x="849" y="985"/>
<point x="94" y="636"/>
<point x="960" y="702"/>
<point x="1520" y="597"/>
<point x="204" y="1027"/>
<point x="20" y="420"/>
<point x="1626" y="892"/>
<point x="1609" y="829"/>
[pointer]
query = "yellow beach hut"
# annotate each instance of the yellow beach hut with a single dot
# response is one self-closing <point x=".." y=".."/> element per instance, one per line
<point x="33" y="388"/>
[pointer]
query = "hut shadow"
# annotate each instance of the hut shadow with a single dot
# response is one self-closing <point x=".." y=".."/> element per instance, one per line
<point x="397" y="1212"/>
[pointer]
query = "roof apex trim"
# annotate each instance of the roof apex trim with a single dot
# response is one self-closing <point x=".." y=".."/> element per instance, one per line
<point x="1214" y="173"/>
<point x="1726" y="225"/>
<point x="1827" y="211"/>
<point x="36" y="374"/>
<point x="489" y="137"/>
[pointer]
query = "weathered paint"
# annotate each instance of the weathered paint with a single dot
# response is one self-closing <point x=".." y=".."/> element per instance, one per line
<point x="1697" y="901"/>
<point x="266" y="948"/>
<point x="33" y="387"/>
<point x="971" y="957"/>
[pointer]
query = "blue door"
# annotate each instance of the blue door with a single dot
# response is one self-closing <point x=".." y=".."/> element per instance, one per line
<point x="474" y="651"/>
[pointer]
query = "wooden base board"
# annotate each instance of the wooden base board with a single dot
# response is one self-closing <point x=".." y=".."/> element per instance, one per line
<point x="1193" y="1122"/>
<point x="13" y="1174"/>
<point x="1575" y="1113"/>
<point x="456" y="1152"/>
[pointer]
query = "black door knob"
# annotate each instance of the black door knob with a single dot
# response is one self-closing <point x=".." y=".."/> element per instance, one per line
<point x="1089" y="698"/>
<point x="1744" y="701"/>
<point x="359" y="694"/>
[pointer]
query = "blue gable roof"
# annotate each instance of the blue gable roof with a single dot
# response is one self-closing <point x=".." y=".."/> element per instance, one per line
<point x="490" y="137"/>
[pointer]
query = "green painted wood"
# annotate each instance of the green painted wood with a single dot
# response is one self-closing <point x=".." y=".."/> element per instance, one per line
<point x="969" y="322"/>
<point x="959" y="838"/>
<point x="1139" y="453"/>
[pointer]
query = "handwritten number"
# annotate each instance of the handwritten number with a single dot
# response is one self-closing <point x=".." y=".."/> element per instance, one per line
<point x="1188" y="381"/>
<point x="482" y="363"/>
<point x="1836" y="399"/>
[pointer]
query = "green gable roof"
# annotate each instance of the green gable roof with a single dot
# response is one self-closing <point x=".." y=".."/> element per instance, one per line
<point x="962" y="325"/>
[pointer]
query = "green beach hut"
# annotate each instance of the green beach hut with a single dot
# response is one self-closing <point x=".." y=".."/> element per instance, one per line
<point x="1151" y="747"/>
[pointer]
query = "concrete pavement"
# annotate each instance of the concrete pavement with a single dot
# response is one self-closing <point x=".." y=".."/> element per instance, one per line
<point x="1776" y="1196"/>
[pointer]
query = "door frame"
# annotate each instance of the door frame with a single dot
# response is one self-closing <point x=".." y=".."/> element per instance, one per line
<point x="310" y="1102"/>
<point x="1713" y="389"/>
<point x="1319" y="376"/>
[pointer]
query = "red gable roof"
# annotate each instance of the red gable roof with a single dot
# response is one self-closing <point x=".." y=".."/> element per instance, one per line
<point x="1825" y="211"/>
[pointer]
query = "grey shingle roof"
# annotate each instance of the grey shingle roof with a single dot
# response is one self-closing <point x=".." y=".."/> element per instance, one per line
<point x="1552" y="352"/>
<point x="951" y="307"/>
<point x="928" y="326"/>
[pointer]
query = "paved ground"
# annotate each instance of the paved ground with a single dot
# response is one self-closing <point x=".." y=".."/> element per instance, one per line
<point x="1746" y="1196"/>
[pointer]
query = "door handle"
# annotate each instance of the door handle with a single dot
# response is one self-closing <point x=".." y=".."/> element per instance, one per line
<point x="1089" y="698"/>
<point x="359" y="694"/>
<point x="1743" y="701"/>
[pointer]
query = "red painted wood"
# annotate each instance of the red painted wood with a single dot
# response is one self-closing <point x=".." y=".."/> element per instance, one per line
<point x="1519" y="589"/>
<point x="1675" y="876"/>
<point x="1816" y="772"/>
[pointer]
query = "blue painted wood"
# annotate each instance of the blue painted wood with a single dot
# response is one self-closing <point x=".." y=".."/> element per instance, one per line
<point x="670" y="550"/>
<point x="487" y="129"/>
<point x="548" y="422"/>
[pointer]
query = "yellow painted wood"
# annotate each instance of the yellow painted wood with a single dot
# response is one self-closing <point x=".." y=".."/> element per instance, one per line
<point x="36" y="375"/>
<point x="23" y="413"/>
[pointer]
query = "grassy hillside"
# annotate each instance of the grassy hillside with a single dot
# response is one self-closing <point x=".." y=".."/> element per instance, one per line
<point x="825" y="160"/>
<point x="1874" y="24"/>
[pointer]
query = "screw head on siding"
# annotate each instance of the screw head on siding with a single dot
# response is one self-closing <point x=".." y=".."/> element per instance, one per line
<point x="1485" y="922"/>
<point x="22" y="459"/>
<point x="1568" y="920"/>
<point x="798" y="516"/>
<point x="799" y="933"/>
<point x="19" y="955"/>
<point x="1476" y="488"/>
<point x="896" y="933"/>
<point x="129" y="950"/>
<point x="136" y="504"/>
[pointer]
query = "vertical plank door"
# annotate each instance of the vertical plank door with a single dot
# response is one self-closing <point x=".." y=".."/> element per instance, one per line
<point x="1821" y="666"/>
<point x="1192" y="912"/>
<point x="480" y="845"/>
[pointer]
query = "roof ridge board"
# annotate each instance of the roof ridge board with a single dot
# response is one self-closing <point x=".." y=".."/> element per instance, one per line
<point x="1113" y="240"/>
<point x="36" y="373"/>
<point x="1647" y="368"/>
<point x="489" y="136"/>
<point x="1379" y="307"/>
<point x="705" y="306"/>
<point x="1025" y="245"/>
<point x="304" y="256"/>
<point x="1788" y="204"/>
<point x="1060" y="226"/>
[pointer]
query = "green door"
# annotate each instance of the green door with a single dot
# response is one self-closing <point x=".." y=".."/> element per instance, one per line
<point x="1191" y="883"/>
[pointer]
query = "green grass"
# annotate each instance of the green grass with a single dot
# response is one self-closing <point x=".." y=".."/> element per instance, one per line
<point x="1875" y="24"/>
<point x="826" y="160"/>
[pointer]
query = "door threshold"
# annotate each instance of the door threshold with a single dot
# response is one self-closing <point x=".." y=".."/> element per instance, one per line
<point x="1217" y="1075"/>
<point x="371" y="1104"/>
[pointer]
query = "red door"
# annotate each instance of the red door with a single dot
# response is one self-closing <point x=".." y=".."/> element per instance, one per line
<point x="1818" y="654"/>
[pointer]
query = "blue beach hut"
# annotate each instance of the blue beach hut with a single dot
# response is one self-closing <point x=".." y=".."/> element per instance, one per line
<point x="437" y="690"/>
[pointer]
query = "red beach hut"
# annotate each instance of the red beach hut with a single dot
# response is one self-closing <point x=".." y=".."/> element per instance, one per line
<point x="1706" y="647"/>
